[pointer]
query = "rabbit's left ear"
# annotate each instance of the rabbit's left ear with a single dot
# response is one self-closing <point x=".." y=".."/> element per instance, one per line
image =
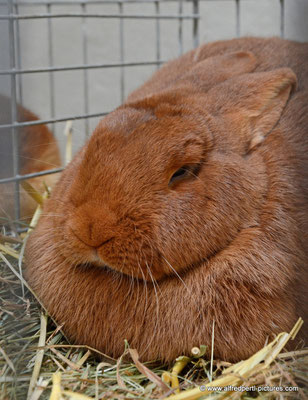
<point x="211" y="71"/>
<point x="253" y="102"/>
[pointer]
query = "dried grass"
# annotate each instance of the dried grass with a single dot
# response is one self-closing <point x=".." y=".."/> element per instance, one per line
<point x="37" y="362"/>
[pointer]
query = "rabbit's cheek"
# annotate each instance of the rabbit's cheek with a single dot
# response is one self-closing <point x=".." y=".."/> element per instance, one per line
<point x="197" y="225"/>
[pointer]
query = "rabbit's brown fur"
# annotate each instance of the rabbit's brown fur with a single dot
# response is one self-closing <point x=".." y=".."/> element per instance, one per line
<point x="225" y="242"/>
<point x="37" y="151"/>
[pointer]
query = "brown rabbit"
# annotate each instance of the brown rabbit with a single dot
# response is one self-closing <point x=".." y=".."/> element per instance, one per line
<point x="38" y="151"/>
<point x="188" y="205"/>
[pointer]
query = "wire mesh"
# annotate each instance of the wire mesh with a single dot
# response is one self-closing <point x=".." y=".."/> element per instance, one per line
<point x="17" y="12"/>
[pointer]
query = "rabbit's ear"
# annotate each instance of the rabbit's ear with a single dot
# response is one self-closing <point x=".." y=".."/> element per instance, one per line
<point x="201" y="77"/>
<point x="213" y="70"/>
<point x="253" y="102"/>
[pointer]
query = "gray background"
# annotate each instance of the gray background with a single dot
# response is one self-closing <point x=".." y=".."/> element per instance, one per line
<point x="218" y="21"/>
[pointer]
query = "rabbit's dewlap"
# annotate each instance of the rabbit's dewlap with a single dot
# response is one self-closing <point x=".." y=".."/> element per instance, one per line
<point x="187" y="205"/>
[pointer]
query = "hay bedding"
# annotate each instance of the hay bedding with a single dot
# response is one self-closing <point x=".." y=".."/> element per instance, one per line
<point x="37" y="361"/>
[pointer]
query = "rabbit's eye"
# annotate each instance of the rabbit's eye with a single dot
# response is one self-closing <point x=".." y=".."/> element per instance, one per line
<point x="184" y="172"/>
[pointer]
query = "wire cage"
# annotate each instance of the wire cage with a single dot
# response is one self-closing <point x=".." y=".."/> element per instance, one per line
<point x="78" y="59"/>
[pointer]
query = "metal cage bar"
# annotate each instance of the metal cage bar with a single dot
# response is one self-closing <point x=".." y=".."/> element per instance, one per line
<point x="238" y="18"/>
<point x="85" y="71"/>
<point x="13" y="16"/>
<point x="196" y="23"/>
<point x="14" y="111"/>
<point x="50" y="62"/>
<point x="76" y="67"/>
<point x="18" y="56"/>
<point x="157" y="27"/>
<point x="122" y="44"/>
<point x="180" y="28"/>
<point x="282" y="17"/>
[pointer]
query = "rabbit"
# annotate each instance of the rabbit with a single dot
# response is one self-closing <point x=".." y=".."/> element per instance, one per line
<point x="186" y="209"/>
<point x="37" y="151"/>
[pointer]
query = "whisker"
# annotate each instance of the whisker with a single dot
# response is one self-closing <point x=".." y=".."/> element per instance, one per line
<point x="157" y="309"/>
<point x="35" y="159"/>
<point x="176" y="273"/>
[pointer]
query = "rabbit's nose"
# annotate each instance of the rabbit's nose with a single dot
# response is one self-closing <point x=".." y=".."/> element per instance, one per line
<point x="93" y="225"/>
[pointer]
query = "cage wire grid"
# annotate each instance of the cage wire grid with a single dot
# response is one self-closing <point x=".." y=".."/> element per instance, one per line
<point x="16" y="72"/>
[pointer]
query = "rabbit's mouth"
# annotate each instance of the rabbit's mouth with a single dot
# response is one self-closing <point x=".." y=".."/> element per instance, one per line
<point x="98" y="266"/>
<point x="148" y="270"/>
<point x="142" y="263"/>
